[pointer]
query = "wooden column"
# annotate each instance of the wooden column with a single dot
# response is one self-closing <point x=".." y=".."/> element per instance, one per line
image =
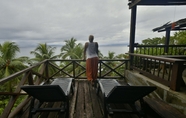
<point x="167" y="38"/>
<point x="132" y="32"/>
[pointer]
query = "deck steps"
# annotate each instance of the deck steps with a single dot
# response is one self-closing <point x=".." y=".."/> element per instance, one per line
<point x="163" y="109"/>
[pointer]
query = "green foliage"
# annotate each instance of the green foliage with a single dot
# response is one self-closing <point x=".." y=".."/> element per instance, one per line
<point x="72" y="50"/>
<point x="180" y="38"/>
<point x="9" y="64"/>
<point x="3" y="103"/>
<point x="8" y="47"/>
<point x="153" y="41"/>
<point x="18" y="101"/>
<point x="42" y="52"/>
<point x="122" y="56"/>
<point x="114" y="64"/>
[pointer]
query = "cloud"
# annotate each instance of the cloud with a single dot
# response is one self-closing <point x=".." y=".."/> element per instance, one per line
<point x="54" y="21"/>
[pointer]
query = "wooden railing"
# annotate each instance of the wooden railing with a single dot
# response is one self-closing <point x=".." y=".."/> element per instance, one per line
<point x="41" y="73"/>
<point x="160" y="49"/>
<point x="167" y="71"/>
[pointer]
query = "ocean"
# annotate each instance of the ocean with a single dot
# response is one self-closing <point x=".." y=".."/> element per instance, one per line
<point x="117" y="49"/>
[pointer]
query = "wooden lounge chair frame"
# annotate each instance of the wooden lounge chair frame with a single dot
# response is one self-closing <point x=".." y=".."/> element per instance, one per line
<point x="114" y="93"/>
<point x="59" y="90"/>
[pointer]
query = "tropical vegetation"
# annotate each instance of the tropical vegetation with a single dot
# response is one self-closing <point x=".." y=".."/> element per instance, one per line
<point x="41" y="53"/>
<point x="177" y="39"/>
<point x="9" y="64"/>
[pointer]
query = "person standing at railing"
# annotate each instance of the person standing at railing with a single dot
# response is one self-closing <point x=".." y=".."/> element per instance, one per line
<point x="91" y="56"/>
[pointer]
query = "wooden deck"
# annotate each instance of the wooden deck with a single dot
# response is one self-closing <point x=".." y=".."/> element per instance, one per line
<point x="85" y="103"/>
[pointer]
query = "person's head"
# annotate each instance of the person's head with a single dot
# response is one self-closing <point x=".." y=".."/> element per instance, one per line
<point x="91" y="38"/>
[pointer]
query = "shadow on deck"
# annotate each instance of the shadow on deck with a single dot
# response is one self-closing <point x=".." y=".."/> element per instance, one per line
<point x="84" y="103"/>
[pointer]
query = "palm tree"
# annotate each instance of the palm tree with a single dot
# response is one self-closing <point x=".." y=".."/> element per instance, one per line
<point x="9" y="64"/>
<point x="42" y="52"/>
<point x="111" y="55"/>
<point x="71" y="50"/>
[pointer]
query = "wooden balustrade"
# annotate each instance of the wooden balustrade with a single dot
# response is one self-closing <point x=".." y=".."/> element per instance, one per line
<point x="160" y="49"/>
<point x="167" y="71"/>
<point x="43" y="72"/>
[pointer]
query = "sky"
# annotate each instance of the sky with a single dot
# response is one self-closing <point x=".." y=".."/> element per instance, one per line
<point x="29" y="23"/>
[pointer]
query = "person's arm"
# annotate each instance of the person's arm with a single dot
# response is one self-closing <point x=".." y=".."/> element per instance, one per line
<point x="97" y="47"/>
<point x="85" y="48"/>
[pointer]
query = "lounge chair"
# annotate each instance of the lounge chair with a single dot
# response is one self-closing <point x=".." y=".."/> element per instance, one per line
<point x="58" y="90"/>
<point x="115" y="93"/>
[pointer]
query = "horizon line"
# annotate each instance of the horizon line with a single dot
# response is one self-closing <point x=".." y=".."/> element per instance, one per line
<point x="57" y="45"/>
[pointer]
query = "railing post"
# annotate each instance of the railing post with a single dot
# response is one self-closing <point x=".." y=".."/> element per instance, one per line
<point x="30" y="78"/>
<point x="46" y="70"/>
<point x="74" y="69"/>
<point x="100" y="68"/>
<point x="42" y="72"/>
<point x="176" y="79"/>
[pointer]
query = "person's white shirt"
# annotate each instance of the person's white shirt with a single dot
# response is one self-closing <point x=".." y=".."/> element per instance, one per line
<point x="91" y="50"/>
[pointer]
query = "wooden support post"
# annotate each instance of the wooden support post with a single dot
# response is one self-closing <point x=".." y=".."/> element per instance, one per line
<point x="132" y="32"/>
<point x="167" y="38"/>
<point x="176" y="79"/>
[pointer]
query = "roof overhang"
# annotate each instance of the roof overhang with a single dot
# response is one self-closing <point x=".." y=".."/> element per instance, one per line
<point x="178" y="25"/>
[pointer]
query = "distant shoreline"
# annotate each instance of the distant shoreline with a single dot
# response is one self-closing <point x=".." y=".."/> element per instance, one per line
<point x="116" y="48"/>
<point x="115" y="45"/>
<point x="108" y="45"/>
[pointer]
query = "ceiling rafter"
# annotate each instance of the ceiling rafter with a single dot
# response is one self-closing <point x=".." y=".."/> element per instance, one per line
<point x="178" y="25"/>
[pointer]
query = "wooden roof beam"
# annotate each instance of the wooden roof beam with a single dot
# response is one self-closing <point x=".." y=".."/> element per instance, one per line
<point x="156" y="2"/>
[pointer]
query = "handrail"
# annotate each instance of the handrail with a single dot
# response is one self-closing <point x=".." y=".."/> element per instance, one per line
<point x="158" y="58"/>
<point x="167" y="71"/>
<point x="160" y="49"/>
<point x="3" y="80"/>
<point x="159" y="46"/>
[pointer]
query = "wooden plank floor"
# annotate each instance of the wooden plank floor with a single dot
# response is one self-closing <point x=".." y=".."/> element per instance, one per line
<point x="84" y="103"/>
